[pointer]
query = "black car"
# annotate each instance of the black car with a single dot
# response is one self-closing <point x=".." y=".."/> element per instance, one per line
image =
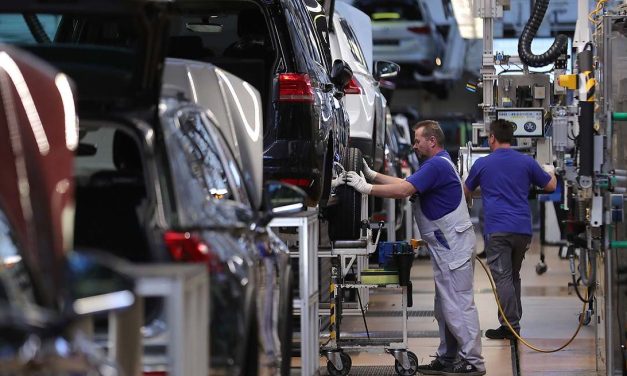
<point x="282" y="49"/>
<point x="154" y="178"/>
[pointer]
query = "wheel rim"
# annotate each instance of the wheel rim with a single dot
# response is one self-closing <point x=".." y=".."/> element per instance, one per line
<point x="413" y="365"/>
<point x="346" y="364"/>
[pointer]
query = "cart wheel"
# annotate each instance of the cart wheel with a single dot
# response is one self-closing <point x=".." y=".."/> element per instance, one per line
<point x="346" y="366"/>
<point x="413" y="365"/>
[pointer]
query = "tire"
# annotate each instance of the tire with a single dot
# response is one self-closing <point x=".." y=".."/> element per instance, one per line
<point x="286" y="328"/>
<point x="327" y="174"/>
<point x="347" y="363"/>
<point x="413" y="365"/>
<point x="345" y="217"/>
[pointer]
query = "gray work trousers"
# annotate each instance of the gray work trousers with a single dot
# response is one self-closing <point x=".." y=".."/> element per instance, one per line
<point x="505" y="252"/>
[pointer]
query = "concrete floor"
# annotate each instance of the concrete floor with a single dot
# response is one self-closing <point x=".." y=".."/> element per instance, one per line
<point x="549" y="320"/>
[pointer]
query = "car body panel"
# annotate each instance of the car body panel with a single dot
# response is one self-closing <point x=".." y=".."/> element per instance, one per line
<point x="36" y="151"/>
<point x="236" y="106"/>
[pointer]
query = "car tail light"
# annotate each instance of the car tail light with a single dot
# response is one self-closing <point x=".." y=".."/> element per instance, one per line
<point x="420" y="29"/>
<point x="352" y="87"/>
<point x="155" y="373"/>
<point x="305" y="183"/>
<point x="295" y="87"/>
<point x="187" y="247"/>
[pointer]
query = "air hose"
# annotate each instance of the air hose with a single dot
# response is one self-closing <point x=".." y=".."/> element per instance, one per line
<point x="529" y="32"/>
<point x="509" y="326"/>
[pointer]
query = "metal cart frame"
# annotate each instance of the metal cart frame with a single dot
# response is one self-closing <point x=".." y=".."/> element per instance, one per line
<point x="348" y="253"/>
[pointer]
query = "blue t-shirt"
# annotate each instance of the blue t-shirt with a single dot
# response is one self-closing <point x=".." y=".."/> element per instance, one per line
<point x="438" y="186"/>
<point x="505" y="176"/>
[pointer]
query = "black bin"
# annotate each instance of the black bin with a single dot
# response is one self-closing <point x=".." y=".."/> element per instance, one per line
<point x="404" y="262"/>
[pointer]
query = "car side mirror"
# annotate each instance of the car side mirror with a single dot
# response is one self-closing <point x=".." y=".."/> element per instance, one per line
<point x="385" y="69"/>
<point x="341" y="74"/>
<point x="281" y="199"/>
<point x="96" y="284"/>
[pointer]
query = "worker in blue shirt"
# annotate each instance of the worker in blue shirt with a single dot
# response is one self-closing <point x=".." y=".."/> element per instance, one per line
<point x="442" y="217"/>
<point x="505" y="177"/>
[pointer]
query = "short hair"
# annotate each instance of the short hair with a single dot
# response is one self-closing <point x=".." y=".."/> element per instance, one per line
<point x="502" y="130"/>
<point x="431" y="128"/>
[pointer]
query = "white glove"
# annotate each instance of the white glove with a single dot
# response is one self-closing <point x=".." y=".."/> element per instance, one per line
<point x="549" y="169"/>
<point x="341" y="179"/>
<point x="358" y="182"/>
<point x="368" y="172"/>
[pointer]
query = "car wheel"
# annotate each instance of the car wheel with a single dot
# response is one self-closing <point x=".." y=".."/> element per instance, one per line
<point x="345" y="217"/>
<point x="327" y="173"/>
<point x="285" y="319"/>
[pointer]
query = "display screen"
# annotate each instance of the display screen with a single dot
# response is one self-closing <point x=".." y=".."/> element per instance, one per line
<point x="529" y="122"/>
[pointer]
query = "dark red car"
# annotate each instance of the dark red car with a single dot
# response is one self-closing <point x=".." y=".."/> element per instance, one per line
<point x="38" y="274"/>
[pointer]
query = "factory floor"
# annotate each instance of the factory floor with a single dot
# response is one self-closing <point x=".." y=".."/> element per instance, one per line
<point x="550" y="318"/>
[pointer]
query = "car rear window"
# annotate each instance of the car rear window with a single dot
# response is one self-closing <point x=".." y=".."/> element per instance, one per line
<point x="386" y="10"/>
<point x="102" y="53"/>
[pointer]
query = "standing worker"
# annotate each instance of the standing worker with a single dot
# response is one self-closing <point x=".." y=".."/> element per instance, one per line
<point x="442" y="216"/>
<point x="505" y="177"/>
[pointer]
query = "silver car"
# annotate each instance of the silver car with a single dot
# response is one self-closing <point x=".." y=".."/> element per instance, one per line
<point x="235" y="107"/>
<point x="404" y="32"/>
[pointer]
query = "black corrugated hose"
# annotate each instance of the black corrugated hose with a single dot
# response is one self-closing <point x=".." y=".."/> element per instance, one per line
<point x="36" y="28"/>
<point x="529" y="32"/>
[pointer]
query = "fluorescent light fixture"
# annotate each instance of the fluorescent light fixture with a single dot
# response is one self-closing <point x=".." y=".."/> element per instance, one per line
<point x="470" y="27"/>
<point x="287" y="208"/>
<point x="104" y="302"/>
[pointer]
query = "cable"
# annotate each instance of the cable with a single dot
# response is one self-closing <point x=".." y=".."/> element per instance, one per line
<point x="361" y="307"/>
<point x="509" y="326"/>
<point x="363" y="314"/>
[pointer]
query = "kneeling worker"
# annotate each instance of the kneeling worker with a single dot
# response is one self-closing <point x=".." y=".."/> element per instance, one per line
<point x="442" y="216"/>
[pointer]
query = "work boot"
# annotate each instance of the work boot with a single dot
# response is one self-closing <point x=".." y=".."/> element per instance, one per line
<point x="502" y="332"/>
<point x="462" y="368"/>
<point x="434" y="368"/>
